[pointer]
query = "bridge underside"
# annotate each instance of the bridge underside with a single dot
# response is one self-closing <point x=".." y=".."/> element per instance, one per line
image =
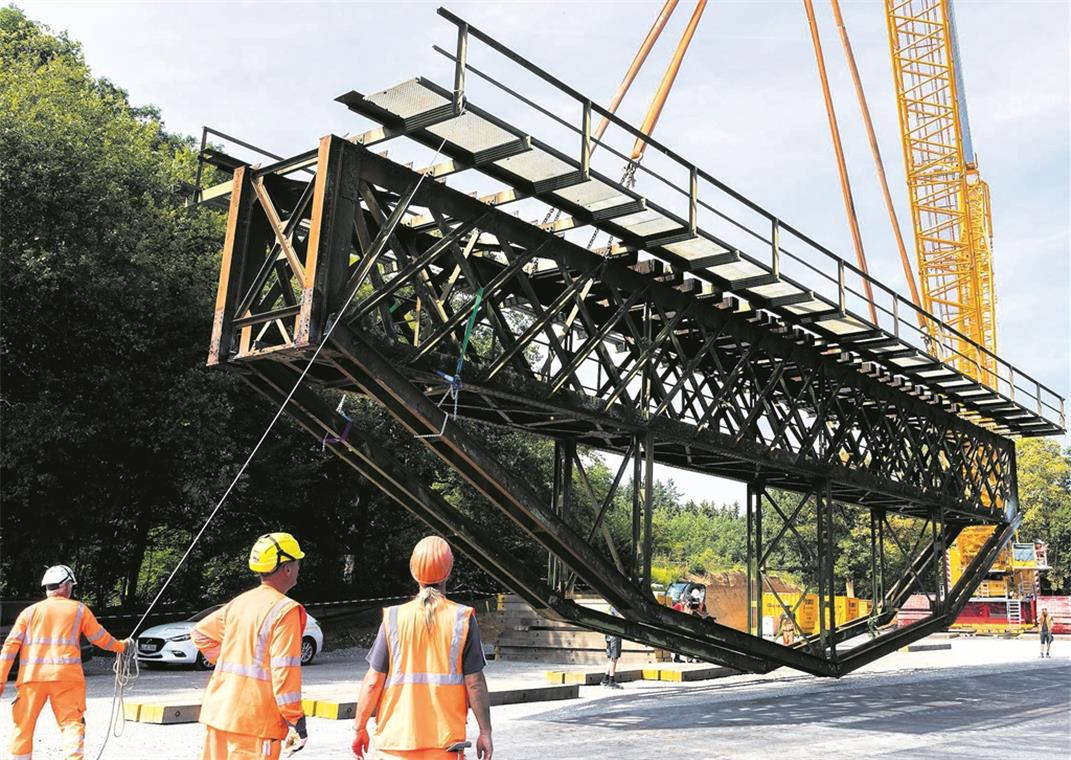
<point x="602" y="350"/>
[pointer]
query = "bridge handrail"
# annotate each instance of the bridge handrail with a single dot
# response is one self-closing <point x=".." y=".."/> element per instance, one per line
<point x="1001" y="377"/>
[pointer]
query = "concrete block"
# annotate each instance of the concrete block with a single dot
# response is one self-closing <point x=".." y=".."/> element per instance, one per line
<point x="591" y="677"/>
<point x="925" y="647"/>
<point x="681" y="674"/>
<point x="168" y="714"/>
<point x="528" y="694"/>
<point x="333" y="710"/>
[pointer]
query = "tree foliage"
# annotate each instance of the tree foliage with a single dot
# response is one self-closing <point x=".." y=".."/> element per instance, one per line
<point x="106" y="281"/>
<point x="1044" y="473"/>
<point x="117" y="441"/>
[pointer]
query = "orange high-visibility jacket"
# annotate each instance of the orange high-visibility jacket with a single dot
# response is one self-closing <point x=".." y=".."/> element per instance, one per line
<point x="255" y="640"/>
<point x="424" y="703"/>
<point x="46" y="638"/>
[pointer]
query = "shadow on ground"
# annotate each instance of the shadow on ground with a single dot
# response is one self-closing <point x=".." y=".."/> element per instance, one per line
<point x="954" y="702"/>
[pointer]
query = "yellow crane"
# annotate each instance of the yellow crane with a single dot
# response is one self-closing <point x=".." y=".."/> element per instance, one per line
<point x="949" y="199"/>
<point x="954" y="249"/>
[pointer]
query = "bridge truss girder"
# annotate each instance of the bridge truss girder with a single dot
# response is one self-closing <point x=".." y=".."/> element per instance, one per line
<point x="589" y="350"/>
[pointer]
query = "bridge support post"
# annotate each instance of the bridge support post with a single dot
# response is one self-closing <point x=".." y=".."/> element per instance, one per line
<point x="826" y="546"/>
<point x="877" y="563"/>
<point x="754" y="558"/>
<point x="562" y="506"/>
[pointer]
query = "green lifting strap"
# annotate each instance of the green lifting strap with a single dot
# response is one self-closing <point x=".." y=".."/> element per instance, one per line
<point x="468" y="331"/>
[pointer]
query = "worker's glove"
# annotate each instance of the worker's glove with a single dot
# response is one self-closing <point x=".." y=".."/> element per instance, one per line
<point x="360" y="744"/>
<point x="297" y="738"/>
<point x="128" y="644"/>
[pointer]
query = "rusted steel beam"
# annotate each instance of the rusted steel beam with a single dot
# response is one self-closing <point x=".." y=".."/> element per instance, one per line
<point x="590" y="349"/>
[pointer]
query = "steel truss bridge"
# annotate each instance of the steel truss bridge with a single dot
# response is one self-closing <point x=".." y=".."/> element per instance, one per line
<point x="693" y="339"/>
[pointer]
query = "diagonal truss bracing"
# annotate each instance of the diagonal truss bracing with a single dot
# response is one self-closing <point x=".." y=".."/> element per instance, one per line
<point x="590" y="349"/>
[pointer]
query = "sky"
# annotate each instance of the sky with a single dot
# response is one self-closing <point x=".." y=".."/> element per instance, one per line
<point x="747" y="107"/>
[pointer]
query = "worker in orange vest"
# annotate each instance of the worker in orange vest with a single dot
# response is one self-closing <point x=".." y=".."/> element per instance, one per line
<point x="425" y="671"/>
<point x="46" y="638"/>
<point x="252" y="704"/>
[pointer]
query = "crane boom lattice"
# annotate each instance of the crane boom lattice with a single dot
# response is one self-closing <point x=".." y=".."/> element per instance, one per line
<point x="949" y="199"/>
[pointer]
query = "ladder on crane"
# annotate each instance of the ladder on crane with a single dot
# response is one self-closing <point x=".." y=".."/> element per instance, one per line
<point x="1014" y="610"/>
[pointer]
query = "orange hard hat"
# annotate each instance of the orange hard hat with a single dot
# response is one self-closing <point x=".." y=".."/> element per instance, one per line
<point x="432" y="561"/>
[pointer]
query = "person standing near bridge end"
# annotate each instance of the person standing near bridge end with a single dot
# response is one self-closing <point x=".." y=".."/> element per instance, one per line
<point x="1045" y="626"/>
<point x="425" y="671"/>
<point x="47" y="639"/>
<point x="252" y="704"/>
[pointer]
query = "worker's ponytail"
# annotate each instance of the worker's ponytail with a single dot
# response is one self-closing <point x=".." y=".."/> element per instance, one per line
<point x="430" y="598"/>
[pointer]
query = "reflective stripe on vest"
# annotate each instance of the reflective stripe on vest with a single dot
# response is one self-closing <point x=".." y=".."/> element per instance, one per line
<point x="455" y="642"/>
<point x="97" y="636"/>
<point x="52" y="661"/>
<point x="435" y="679"/>
<point x="257" y="669"/>
<point x="249" y="671"/>
<point x="392" y="633"/>
<point x="454" y="677"/>
<point x="288" y="699"/>
<point x="77" y="627"/>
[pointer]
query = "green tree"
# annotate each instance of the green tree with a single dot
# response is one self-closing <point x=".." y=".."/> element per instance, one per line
<point x="116" y="440"/>
<point x="103" y="278"/>
<point x="1044" y="473"/>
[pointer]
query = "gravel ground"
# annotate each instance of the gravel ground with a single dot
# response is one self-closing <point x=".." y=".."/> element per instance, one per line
<point x="982" y="698"/>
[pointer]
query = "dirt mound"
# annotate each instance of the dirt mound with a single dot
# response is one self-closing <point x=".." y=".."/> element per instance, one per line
<point x="727" y="595"/>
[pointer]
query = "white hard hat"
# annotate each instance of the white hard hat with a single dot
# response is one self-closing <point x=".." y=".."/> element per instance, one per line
<point x="57" y="575"/>
<point x="697" y="594"/>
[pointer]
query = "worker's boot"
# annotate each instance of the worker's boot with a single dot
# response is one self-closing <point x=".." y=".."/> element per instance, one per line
<point x="611" y="683"/>
<point x="605" y="680"/>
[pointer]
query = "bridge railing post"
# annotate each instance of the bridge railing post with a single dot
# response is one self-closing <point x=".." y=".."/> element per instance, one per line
<point x="775" y="247"/>
<point x="460" y="65"/>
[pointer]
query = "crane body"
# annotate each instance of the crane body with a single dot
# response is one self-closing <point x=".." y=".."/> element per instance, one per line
<point x="953" y="229"/>
<point x="949" y="199"/>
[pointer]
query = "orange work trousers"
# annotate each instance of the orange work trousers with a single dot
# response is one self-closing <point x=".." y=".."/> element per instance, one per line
<point x="417" y="754"/>
<point x="68" y="700"/>
<point x="223" y="745"/>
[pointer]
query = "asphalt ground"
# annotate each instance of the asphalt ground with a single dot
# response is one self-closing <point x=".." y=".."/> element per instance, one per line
<point x="983" y="698"/>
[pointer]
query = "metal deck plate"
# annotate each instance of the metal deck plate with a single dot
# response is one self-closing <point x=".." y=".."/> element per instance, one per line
<point x="408" y="99"/>
<point x="738" y="270"/>
<point x="475" y="131"/>
<point x="535" y="166"/>
<point x="472" y="133"/>
<point x="696" y="247"/>
<point x="777" y="290"/>
<point x="593" y="195"/>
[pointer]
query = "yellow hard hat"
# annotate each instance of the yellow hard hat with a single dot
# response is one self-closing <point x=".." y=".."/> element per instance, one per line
<point x="272" y="550"/>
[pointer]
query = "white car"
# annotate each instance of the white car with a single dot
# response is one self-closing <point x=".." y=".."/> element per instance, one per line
<point x="170" y="644"/>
